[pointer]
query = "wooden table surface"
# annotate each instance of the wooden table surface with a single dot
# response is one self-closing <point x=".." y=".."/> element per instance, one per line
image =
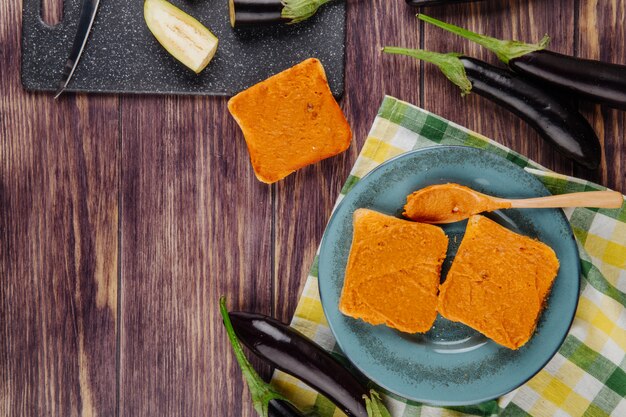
<point x="122" y="219"/>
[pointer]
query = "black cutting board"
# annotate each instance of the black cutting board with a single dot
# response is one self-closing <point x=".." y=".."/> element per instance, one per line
<point x="122" y="56"/>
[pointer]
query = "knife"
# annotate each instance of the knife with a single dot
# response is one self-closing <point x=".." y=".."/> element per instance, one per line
<point x="85" y="21"/>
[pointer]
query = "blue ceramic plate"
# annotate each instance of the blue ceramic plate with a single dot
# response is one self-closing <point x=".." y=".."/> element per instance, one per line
<point x="451" y="364"/>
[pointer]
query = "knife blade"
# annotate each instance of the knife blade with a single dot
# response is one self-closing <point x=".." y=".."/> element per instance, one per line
<point x="85" y="21"/>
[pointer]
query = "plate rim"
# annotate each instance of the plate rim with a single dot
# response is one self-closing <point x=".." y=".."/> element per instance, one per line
<point x="560" y="213"/>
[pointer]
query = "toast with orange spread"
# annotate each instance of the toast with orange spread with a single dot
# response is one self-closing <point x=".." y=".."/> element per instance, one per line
<point x="393" y="270"/>
<point x="290" y="120"/>
<point x="498" y="282"/>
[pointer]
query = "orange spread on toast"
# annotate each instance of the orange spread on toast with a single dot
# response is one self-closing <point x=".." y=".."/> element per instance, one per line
<point x="290" y="120"/>
<point x="498" y="282"/>
<point x="393" y="270"/>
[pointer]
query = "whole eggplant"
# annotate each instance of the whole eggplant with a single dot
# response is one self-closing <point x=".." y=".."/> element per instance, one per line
<point x="596" y="81"/>
<point x="245" y="13"/>
<point x="555" y="120"/>
<point x="293" y="353"/>
<point x="266" y="400"/>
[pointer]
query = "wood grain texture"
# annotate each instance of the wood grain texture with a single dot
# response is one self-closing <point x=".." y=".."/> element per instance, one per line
<point x="58" y="245"/>
<point x="196" y="224"/>
<point x="170" y="178"/>
<point x="602" y="35"/>
<point x="52" y="11"/>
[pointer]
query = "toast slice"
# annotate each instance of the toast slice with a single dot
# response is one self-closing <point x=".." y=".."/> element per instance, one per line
<point x="393" y="272"/>
<point x="290" y="120"/>
<point x="498" y="282"/>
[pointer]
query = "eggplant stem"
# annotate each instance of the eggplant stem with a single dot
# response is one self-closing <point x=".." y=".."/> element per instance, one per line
<point x="260" y="391"/>
<point x="375" y="406"/>
<point x="506" y="50"/>
<point x="449" y="64"/>
<point x="298" y="10"/>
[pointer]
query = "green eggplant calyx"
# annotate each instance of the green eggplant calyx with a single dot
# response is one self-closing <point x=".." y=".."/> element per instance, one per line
<point x="449" y="64"/>
<point x="260" y="391"/>
<point x="375" y="406"/>
<point x="506" y="50"/>
<point x="298" y="10"/>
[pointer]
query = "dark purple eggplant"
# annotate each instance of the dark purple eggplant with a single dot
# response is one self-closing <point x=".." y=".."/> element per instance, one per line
<point x="595" y="81"/>
<point x="267" y="402"/>
<point x="555" y="120"/>
<point x="419" y="3"/>
<point x="255" y="12"/>
<point x="281" y="408"/>
<point x="293" y="353"/>
<point x="261" y="12"/>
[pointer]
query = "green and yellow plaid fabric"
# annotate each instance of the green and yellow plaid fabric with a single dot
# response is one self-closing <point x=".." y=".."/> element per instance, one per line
<point x="587" y="377"/>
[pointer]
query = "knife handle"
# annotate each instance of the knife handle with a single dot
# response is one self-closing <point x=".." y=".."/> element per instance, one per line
<point x="85" y="21"/>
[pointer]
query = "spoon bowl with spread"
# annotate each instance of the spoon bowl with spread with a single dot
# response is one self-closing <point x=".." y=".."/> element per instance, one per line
<point x="449" y="203"/>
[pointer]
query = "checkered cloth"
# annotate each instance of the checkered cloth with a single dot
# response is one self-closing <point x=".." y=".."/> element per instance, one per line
<point x="588" y="374"/>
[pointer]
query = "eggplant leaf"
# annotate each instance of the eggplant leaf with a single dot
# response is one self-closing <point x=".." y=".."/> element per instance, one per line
<point x="299" y="10"/>
<point x="375" y="406"/>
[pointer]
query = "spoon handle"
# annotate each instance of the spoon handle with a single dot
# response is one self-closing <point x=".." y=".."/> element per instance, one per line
<point x="597" y="199"/>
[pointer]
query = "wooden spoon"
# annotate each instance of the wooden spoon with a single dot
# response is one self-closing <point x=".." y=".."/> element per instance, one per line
<point x="448" y="203"/>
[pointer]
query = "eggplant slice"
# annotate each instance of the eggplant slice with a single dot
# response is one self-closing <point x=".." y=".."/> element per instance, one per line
<point x="180" y="34"/>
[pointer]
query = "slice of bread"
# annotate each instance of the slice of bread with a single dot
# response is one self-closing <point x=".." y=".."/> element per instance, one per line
<point x="498" y="282"/>
<point x="290" y="120"/>
<point x="393" y="271"/>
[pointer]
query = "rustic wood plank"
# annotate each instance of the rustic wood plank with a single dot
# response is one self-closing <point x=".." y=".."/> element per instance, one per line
<point x="602" y="36"/>
<point x="58" y="245"/>
<point x="52" y="11"/>
<point x="526" y="20"/>
<point x="195" y="224"/>
<point x="305" y="199"/>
